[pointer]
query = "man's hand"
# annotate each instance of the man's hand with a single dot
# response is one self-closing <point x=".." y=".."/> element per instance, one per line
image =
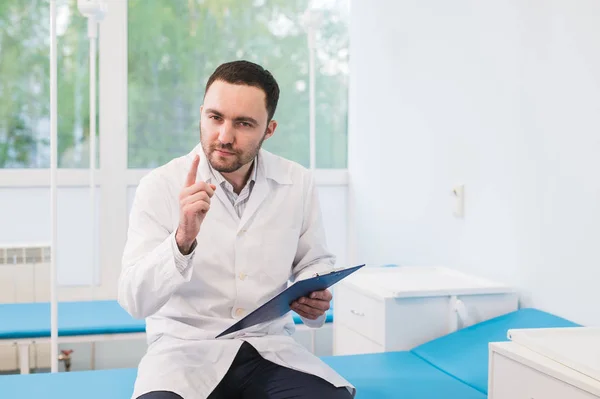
<point x="194" y="203"/>
<point x="314" y="306"/>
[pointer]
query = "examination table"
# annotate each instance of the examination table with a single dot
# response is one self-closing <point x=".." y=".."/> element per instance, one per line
<point x="451" y="367"/>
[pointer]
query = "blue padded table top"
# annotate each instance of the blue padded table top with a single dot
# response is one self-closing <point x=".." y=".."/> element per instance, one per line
<point x="29" y="320"/>
<point x="464" y="354"/>
<point x="32" y="320"/>
<point x="375" y="376"/>
<point x="398" y="375"/>
<point x="97" y="384"/>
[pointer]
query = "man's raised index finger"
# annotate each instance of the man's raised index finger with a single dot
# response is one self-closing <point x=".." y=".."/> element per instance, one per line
<point x="191" y="176"/>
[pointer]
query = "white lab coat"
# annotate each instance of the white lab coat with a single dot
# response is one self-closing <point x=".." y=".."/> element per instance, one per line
<point x="237" y="265"/>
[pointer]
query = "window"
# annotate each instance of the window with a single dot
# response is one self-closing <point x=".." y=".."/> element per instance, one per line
<point x="25" y="89"/>
<point x="150" y="95"/>
<point x="174" y="46"/>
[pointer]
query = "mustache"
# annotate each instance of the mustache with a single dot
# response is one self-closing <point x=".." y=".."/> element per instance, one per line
<point x="224" y="147"/>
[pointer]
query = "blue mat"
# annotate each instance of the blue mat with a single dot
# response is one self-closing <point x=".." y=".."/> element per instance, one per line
<point x="398" y="375"/>
<point x="377" y="376"/>
<point x="464" y="354"/>
<point x="97" y="384"/>
<point x="30" y="320"/>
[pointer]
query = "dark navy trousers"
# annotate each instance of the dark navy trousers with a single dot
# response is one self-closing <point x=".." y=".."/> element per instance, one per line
<point x="252" y="376"/>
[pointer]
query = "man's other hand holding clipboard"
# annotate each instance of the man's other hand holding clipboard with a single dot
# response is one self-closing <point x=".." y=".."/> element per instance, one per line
<point x="313" y="306"/>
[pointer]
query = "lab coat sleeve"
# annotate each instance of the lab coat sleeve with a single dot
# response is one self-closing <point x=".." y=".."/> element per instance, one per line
<point x="152" y="265"/>
<point x="312" y="255"/>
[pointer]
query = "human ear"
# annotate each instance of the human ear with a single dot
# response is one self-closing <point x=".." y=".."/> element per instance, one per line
<point x="271" y="129"/>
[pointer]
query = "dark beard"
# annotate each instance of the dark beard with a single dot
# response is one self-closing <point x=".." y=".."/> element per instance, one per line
<point x="235" y="162"/>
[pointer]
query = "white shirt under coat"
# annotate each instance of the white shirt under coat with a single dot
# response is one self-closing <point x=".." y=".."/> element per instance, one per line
<point x="238" y="264"/>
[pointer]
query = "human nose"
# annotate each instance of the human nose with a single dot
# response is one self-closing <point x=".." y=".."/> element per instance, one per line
<point x="226" y="133"/>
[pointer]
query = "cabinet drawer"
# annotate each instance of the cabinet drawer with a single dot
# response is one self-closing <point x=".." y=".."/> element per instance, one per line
<point x="361" y="313"/>
<point x="514" y="380"/>
<point x="349" y="342"/>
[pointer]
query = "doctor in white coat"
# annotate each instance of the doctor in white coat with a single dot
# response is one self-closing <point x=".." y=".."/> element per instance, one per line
<point x="213" y="235"/>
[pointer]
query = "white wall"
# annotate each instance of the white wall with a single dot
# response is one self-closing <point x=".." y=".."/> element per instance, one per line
<point x="503" y="96"/>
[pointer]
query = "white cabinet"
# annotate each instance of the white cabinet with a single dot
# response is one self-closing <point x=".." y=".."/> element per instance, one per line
<point x="398" y="308"/>
<point x="517" y="372"/>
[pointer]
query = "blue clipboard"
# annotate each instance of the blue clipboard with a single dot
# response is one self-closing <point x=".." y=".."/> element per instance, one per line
<point x="280" y="304"/>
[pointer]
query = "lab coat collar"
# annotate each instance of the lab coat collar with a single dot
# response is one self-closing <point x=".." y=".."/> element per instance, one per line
<point x="220" y="179"/>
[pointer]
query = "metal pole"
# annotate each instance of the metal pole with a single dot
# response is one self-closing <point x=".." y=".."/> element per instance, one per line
<point x="53" y="196"/>
<point x="311" y="90"/>
<point x="92" y="29"/>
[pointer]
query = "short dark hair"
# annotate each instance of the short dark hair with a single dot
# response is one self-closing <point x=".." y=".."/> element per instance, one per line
<point x="251" y="74"/>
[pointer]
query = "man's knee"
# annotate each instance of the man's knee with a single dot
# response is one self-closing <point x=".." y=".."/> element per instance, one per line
<point x="279" y="382"/>
<point x="160" y="395"/>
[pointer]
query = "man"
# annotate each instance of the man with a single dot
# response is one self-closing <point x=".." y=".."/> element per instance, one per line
<point x="213" y="235"/>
